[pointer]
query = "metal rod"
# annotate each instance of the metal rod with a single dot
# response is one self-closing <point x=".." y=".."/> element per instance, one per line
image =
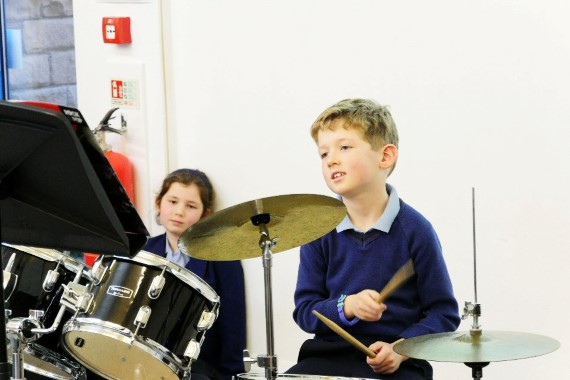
<point x="270" y="361"/>
<point x="17" y="360"/>
<point x="475" y="328"/>
<point x="474" y="245"/>
<point x="267" y="263"/>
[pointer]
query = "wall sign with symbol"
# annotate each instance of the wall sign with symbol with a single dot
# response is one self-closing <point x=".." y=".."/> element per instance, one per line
<point x="124" y="93"/>
<point x="116" y="30"/>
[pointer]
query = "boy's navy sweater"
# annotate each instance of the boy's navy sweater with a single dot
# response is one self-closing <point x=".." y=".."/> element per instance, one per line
<point x="347" y="262"/>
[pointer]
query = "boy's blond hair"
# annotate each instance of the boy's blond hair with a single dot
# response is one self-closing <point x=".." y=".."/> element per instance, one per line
<point x="373" y="120"/>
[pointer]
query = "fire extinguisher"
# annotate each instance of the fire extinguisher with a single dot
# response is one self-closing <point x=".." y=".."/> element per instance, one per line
<point x="118" y="161"/>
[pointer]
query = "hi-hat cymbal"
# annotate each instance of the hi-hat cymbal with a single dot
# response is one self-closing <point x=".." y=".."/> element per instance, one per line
<point x="294" y="220"/>
<point x="490" y="346"/>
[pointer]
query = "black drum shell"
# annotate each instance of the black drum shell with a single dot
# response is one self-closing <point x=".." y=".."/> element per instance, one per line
<point x="124" y="289"/>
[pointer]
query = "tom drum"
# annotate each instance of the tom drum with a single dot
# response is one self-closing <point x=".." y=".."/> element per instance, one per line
<point x="146" y="318"/>
<point x="33" y="279"/>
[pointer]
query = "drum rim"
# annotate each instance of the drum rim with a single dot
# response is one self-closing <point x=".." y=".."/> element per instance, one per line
<point x="188" y="277"/>
<point x="52" y="255"/>
<point x="159" y="352"/>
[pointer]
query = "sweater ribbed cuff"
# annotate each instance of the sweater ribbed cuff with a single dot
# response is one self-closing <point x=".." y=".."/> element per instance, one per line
<point x="340" y="307"/>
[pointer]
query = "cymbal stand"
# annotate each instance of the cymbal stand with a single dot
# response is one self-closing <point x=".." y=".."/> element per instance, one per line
<point x="269" y="361"/>
<point x="474" y="309"/>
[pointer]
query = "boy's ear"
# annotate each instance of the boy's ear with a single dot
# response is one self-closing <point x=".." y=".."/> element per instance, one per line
<point x="389" y="156"/>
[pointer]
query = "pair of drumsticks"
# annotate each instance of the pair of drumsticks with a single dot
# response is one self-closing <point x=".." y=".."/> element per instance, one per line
<point x="399" y="278"/>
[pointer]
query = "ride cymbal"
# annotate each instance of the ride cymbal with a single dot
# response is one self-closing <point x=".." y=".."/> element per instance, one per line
<point x="489" y="346"/>
<point x="294" y="220"/>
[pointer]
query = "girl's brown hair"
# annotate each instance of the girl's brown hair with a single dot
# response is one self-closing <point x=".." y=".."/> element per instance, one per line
<point x="188" y="177"/>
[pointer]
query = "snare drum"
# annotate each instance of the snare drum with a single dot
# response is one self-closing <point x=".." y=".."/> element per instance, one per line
<point x="29" y="285"/>
<point x="147" y="319"/>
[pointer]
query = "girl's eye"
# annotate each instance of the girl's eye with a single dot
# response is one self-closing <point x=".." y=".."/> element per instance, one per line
<point x="190" y="206"/>
<point x="323" y="155"/>
<point x="345" y="147"/>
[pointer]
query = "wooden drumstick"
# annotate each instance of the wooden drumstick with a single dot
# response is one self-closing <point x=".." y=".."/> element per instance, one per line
<point x="401" y="276"/>
<point x="345" y="335"/>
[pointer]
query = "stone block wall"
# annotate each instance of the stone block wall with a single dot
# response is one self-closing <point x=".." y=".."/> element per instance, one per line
<point x="45" y="69"/>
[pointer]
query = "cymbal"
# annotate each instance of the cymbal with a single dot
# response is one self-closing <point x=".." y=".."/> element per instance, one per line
<point x="294" y="219"/>
<point x="489" y="346"/>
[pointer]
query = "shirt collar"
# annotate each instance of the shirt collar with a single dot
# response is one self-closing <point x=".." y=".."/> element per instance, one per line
<point x="384" y="223"/>
<point x="176" y="257"/>
<point x="168" y="250"/>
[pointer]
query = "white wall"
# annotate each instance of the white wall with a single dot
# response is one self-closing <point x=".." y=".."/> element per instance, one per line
<point x="139" y="63"/>
<point x="479" y="93"/>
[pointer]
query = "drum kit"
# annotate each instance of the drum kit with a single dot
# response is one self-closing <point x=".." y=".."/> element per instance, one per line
<point x="134" y="315"/>
<point x="102" y="316"/>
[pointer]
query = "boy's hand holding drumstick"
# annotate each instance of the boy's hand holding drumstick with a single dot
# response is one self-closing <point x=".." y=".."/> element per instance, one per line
<point x="401" y="276"/>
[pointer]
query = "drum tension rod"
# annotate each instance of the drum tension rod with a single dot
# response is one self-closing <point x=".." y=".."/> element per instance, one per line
<point x="141" y="320"/>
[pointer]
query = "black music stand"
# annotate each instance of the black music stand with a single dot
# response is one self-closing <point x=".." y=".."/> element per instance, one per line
<point x="57" y="190"/>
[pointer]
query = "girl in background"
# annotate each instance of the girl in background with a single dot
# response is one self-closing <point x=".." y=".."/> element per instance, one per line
<point x="186" y="196"/>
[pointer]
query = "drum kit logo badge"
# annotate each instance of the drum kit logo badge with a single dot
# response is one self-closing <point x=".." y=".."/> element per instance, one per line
<point x="119" y="291"/>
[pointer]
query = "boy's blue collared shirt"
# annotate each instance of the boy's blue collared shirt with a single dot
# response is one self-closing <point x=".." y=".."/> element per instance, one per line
<point x="386" y="219"/>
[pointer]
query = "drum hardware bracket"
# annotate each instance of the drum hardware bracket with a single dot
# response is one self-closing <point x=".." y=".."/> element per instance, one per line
<point x="22" y="328"/>
<point x="473" y="310"/>
<point x="247" y="360"/>
<point x="76" y="297"/>
<point x="37" y="314"/>
<point x="20" y="331"/>
<point x="157" y="285"/>
<point x="261" y="361"/>
<point x="268" y="362"/>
